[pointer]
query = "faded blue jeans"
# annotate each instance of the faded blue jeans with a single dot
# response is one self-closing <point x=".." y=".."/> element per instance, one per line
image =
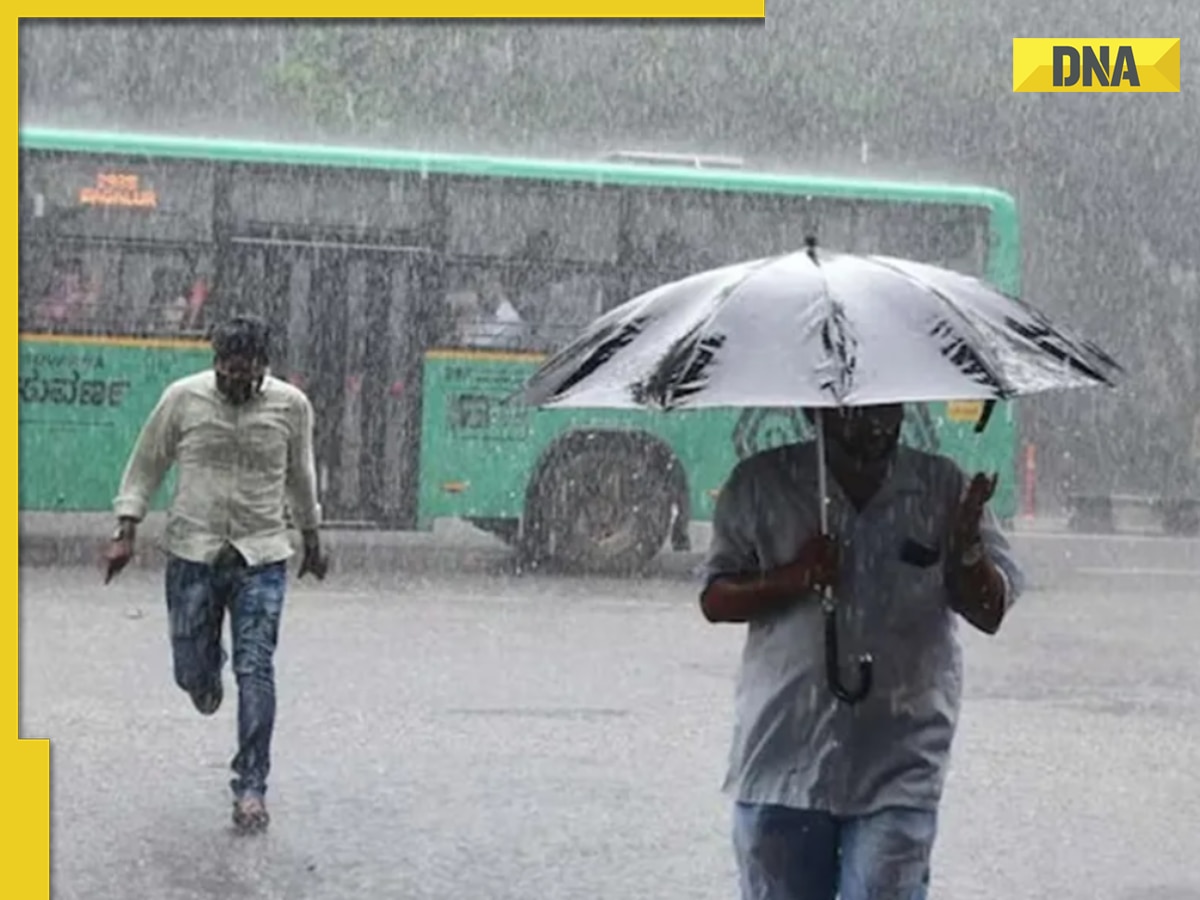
<point x="799" y="854"/>
<point x="197" y="597"/>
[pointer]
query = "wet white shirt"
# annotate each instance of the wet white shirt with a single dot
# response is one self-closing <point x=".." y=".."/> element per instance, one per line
<point x="237" y="466"/>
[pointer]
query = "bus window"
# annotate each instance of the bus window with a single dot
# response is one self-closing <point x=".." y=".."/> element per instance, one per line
<point x="557" y="298"/>
<point x="758" y="225"/>
<point x="676" y="232"/>
<point x="481" y="314"/>
<point x="345" y="202"/>
<point x="85" y="288"/>
<point x="61" y="296"/>
<point x="564" y="305"/>
<point x="178" y="300"/>
<point x="531" y="263"/>
<point x="661" y="257"/>
<point x="94" y="197"/>
<point x="680" y="232"/>
<point x="947" y="235"/>
<point x="522" y="304"/>
<point x="952" y="236"/>
<point x="497" y="219"/>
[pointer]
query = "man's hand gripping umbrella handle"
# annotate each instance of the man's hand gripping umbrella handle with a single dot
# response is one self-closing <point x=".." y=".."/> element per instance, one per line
<point x="833" y="672"/>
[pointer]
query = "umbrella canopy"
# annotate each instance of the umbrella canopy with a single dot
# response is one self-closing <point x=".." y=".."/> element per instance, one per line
<point x="817" y="329"/>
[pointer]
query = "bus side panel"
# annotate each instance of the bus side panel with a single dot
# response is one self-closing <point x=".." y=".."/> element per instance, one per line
<point x="478" y="452"/>
<point x="81" y="407"/>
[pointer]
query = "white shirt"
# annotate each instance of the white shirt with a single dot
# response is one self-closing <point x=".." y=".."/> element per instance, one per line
<point x="237" y="466"/>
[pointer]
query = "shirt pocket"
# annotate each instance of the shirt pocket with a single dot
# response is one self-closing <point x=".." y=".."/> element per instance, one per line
<point x="915" y="573"/>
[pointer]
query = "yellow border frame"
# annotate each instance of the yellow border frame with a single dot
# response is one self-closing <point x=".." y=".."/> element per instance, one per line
<point x="26" y="763"/>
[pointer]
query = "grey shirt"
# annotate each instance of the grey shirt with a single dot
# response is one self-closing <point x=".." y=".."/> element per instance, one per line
<point x="794" y="743"/>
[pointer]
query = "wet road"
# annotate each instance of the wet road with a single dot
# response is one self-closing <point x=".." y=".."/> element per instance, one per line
<point x="483" y="736"/>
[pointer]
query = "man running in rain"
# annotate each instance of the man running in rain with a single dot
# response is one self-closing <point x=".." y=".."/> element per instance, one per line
<point x="832" y="799"/>
<point x="242" y="444"/>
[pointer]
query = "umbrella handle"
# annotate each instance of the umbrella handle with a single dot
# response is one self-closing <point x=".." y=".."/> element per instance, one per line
<point x="833" y="671"/>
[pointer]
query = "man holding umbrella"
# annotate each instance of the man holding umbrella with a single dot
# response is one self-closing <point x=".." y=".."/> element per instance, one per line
<point x="834" y="799"/>
<point x="837" y="785"/>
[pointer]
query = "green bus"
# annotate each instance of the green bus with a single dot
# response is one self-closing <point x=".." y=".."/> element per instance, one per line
<point x="411" y="293"/>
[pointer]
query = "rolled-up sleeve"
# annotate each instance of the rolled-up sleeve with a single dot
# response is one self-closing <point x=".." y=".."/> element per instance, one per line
<point x="302" y="468"/>
<point x="152" y="457"/>
<point x="731" y="549"/>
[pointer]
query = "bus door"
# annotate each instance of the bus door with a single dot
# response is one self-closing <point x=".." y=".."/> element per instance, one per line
<point x="343" y="317"/>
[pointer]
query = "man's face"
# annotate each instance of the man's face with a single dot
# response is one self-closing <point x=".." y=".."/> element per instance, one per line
<point x="865" y="433"/>
<point x="239" y="377"/>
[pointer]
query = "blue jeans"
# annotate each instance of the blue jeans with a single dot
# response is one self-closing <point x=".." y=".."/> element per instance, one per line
<point x="798" y="854"/>
<point x="197" y="597"/>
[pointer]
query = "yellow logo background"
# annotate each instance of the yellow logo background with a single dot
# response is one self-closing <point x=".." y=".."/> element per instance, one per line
<point x="1157" y="61"/>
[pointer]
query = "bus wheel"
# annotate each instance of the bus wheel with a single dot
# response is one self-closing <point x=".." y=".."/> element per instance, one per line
<point x="599" y="510"/>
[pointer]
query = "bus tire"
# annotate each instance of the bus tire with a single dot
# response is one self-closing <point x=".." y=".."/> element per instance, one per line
<point x="600" y="504"/>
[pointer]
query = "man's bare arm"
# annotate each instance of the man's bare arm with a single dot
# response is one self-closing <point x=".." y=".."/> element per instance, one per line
<point x="743" y="598"/>
<point x="978" y="592"/>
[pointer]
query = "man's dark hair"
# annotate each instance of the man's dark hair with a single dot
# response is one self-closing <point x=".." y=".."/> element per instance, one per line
<point x="247" y="336"/>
